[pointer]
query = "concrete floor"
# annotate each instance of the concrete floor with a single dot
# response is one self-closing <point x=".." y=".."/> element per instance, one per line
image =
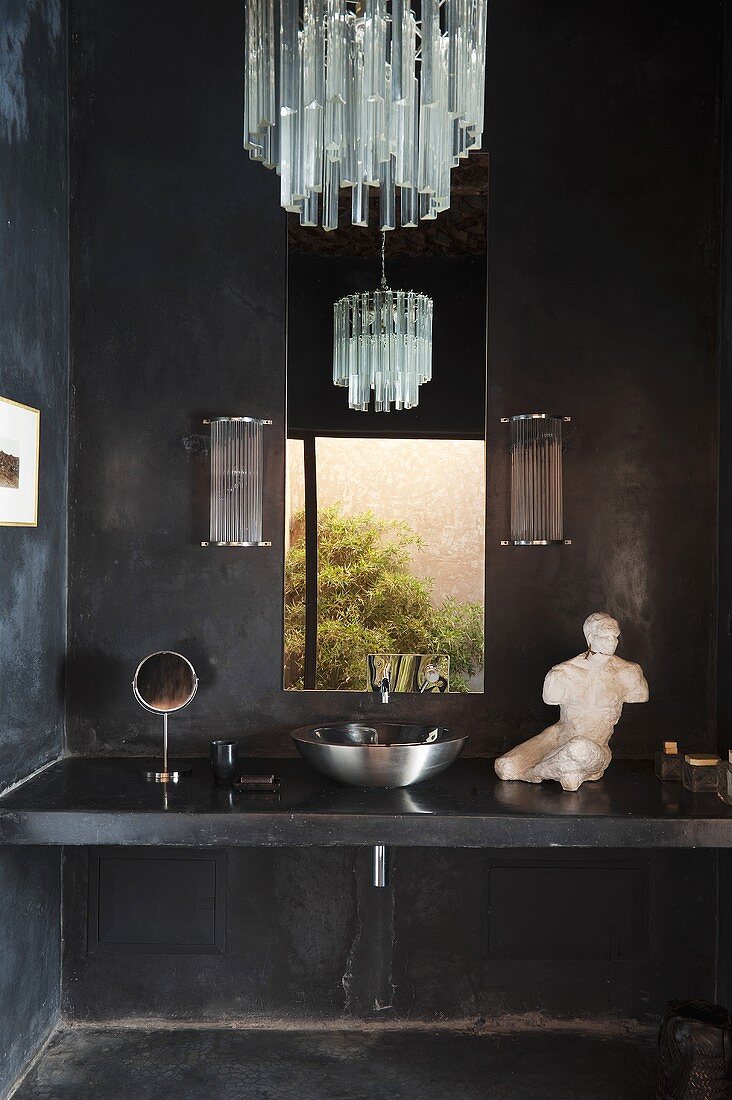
<point x="222" y="1064"/>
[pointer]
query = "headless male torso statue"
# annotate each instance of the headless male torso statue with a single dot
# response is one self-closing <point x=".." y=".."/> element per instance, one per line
<point x="590" y="691"/>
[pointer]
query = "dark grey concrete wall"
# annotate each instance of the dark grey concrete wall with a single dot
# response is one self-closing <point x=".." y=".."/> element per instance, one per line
<point x="33" y="370"/>
<point x="603" y="130"/>
<point x="30" y="931"/>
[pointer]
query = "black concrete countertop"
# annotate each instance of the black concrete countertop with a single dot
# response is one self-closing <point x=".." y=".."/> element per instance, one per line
<point x="106" y="801"/>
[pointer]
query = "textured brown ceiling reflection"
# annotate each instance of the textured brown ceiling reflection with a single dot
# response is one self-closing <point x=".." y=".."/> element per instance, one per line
<point x="461" y="230"/>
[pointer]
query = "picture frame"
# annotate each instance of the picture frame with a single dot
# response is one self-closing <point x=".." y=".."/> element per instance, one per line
<point x="20" y="434"/>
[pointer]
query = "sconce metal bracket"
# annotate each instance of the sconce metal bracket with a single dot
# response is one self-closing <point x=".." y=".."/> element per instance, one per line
<point x="543" y="542"/>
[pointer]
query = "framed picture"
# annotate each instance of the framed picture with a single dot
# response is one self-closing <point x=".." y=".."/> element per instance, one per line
<point x="19" y="452"/>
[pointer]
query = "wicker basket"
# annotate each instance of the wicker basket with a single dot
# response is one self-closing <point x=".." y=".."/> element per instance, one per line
<point x="695" y="1052"/>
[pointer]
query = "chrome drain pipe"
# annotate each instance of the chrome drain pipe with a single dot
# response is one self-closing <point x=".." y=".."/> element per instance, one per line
<point x="379" y="857"/>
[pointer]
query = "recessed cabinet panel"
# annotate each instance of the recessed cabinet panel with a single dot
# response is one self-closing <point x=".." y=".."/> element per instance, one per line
<point x="157" y="902"/>
<point x="568" y="910"/>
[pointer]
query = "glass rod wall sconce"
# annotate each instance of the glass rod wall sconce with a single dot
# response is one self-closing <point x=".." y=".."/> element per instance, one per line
<point x="236" y="481"/>
<point x="537" y="512"/>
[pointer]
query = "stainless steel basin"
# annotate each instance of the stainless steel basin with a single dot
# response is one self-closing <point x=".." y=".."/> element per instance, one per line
<point x="381" y="754"/>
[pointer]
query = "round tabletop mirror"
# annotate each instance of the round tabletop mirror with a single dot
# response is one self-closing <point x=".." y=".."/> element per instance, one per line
<point x="165" y="682"/>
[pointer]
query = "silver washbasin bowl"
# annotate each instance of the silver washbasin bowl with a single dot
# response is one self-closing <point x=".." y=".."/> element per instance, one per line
<point x="381" y="754"/>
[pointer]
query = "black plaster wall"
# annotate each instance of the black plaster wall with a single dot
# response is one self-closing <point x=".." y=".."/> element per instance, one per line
<point x="33" y="371"/>
<point x="177" y="313"/>
<point x="603" y="131"/>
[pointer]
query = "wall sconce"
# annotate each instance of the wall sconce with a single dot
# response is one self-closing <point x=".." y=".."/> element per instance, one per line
<point x="537" y="512"/>
<point x="236" y="481"/>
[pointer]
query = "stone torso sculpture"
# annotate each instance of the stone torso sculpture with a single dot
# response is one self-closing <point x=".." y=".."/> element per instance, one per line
<point x="590" y="691"/>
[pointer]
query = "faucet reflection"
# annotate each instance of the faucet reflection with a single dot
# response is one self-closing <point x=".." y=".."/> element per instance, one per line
<point x="408" y="672"/>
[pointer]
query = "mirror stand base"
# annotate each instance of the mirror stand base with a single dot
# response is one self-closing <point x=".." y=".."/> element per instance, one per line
<point x="171" y="776"/>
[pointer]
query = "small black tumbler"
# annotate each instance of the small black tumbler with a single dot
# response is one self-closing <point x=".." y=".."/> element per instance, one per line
<point x="224" y="756"/>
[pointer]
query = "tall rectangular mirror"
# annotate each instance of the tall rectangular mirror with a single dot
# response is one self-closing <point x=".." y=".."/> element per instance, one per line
<point x="385" y="511"/>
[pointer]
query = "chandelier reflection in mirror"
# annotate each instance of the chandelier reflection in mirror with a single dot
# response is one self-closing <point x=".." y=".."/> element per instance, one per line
<point x="364" y="95"/>
<point x="382" y="344"/>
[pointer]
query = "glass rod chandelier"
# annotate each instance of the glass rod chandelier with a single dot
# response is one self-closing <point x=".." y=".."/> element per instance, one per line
<point x="364" y="95"/>
<point x="382" y="343"/>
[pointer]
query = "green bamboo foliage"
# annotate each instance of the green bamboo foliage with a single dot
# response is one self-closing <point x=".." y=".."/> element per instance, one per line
<point x="370" y="602"/>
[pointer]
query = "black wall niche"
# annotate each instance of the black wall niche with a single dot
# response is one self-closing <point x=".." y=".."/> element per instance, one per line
<point x="33" y="371"/>
<point x="308" y="937"/>
<point x="603" y="130"/>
